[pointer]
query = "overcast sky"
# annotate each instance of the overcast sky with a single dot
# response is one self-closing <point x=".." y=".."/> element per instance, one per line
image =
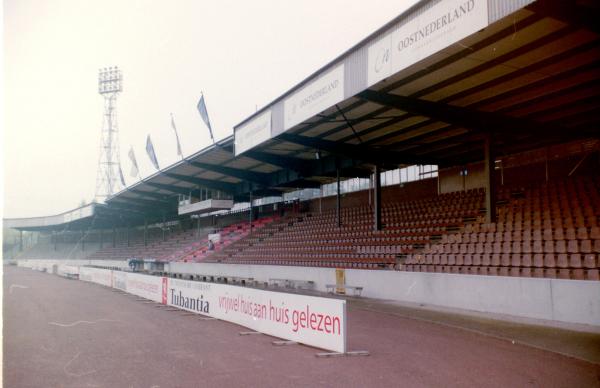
<point x="240" y="54"/>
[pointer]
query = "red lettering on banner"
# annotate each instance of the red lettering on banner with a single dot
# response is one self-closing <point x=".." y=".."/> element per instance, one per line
<point x="318" y="322"/>
<point x="327" y="323"/>
<point x="320" y="327"/>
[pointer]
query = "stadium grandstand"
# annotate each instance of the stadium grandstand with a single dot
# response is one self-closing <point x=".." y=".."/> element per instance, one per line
<point x="450" y="158"/>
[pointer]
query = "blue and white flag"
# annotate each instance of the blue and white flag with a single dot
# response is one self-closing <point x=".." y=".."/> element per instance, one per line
<point x="204" y="115"/>
<point x="179" y="152"/>
<point x="151" y="154"/>
<point x="134" y="166"/>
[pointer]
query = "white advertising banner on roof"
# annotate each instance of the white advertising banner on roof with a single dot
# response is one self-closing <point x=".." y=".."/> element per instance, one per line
<point x="252" y="133"/>
<point x="445" y="23"/>
<point x="320" y="94"/>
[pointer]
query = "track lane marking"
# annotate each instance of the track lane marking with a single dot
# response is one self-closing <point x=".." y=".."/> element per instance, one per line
<point x="80" y="322"/>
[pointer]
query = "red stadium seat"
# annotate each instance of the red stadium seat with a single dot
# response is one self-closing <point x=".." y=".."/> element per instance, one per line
<point x="549" y="260"/>
<point x="585" y="246"/>
<point x="582" y="233"/>
<point x="538" y="260"/>
<point x="550" y="273"/>
<point x="589" y="261"/>
<point x="562" y="260"/>
<point x="578" y="274"/>
<point x="592" y="274"/>
<point x="575" y="260"/>
<point x="564" y="273"/>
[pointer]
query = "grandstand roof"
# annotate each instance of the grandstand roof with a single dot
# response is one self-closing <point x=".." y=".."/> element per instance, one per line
<point x="79" y="218"/>
<point x="525" y="73"/>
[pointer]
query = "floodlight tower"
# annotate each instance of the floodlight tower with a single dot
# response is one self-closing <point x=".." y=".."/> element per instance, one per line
<point x="109" y="176"/>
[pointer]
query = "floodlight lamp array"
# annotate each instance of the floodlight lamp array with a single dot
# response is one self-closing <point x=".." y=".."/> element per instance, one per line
<point x="110" y="80"/>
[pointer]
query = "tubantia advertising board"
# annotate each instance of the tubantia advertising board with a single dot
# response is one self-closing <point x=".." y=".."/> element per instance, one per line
<point x="315" y="321"/>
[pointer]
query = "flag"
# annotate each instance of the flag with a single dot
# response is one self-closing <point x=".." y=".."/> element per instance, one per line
<point x="204" y="115"/>
<point x="179" y="152"/>
<point x="134" y="167"/>
<point x="151" y="154"/>
<point x="121" y="176"/>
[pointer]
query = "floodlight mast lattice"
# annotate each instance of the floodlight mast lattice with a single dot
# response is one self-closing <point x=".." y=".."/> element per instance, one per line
<point x="108" y="177"/>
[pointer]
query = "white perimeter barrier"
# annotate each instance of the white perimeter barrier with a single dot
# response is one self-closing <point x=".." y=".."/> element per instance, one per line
<point x="67" y="270"/>
<point x="96" y="275"/>
<point x="314" y="321"/>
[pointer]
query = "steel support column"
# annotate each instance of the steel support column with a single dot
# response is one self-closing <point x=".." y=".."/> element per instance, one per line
<point x="251" y="215"/>
<point x="490" y="183"/>
<point x="338" y="207"/>
<point x="377" y="198"/>
<point x="164" y="236"/>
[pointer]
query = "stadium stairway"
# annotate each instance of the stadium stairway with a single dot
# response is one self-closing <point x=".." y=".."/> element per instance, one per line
<point x="229" y="235"/>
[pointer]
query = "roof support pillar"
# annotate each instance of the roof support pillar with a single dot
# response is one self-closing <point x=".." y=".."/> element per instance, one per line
<point x="20" y="241"/>
<point x="490" y="182"/>
<point x="377" y="198"/>
<point x="101" y="239"/>
<point x="145" y="232"/>
<point x="251" y="212"/>
<point x="128" y="240"/>
<point x="164" y="236"/>
<point x="338" y="198"/>
<point x="114" y="237"/>
<point x="82" y="241"/>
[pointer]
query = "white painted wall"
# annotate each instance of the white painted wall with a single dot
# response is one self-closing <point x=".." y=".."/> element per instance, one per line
<point x="43" y="263"/>
<point x="570" y="301"/>
<point x="320" y="276"/>
<point x="573" y="301"/>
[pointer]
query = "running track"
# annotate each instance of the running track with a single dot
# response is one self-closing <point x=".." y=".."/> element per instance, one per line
<point x="67" y="333"/>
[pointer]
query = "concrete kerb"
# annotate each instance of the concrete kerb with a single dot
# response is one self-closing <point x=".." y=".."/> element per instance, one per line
<point x="352" y="353"/>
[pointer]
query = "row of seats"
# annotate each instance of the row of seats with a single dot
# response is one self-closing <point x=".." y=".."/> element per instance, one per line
<point x="560" y="273"/>
<point x="581" y="233"/>
<point x="547" y="260"/>
<point x="548" y="246"/>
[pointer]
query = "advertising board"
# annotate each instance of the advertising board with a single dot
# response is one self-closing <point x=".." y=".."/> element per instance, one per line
<point x="443" y="24"/>
<point x="315" y="321"/>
